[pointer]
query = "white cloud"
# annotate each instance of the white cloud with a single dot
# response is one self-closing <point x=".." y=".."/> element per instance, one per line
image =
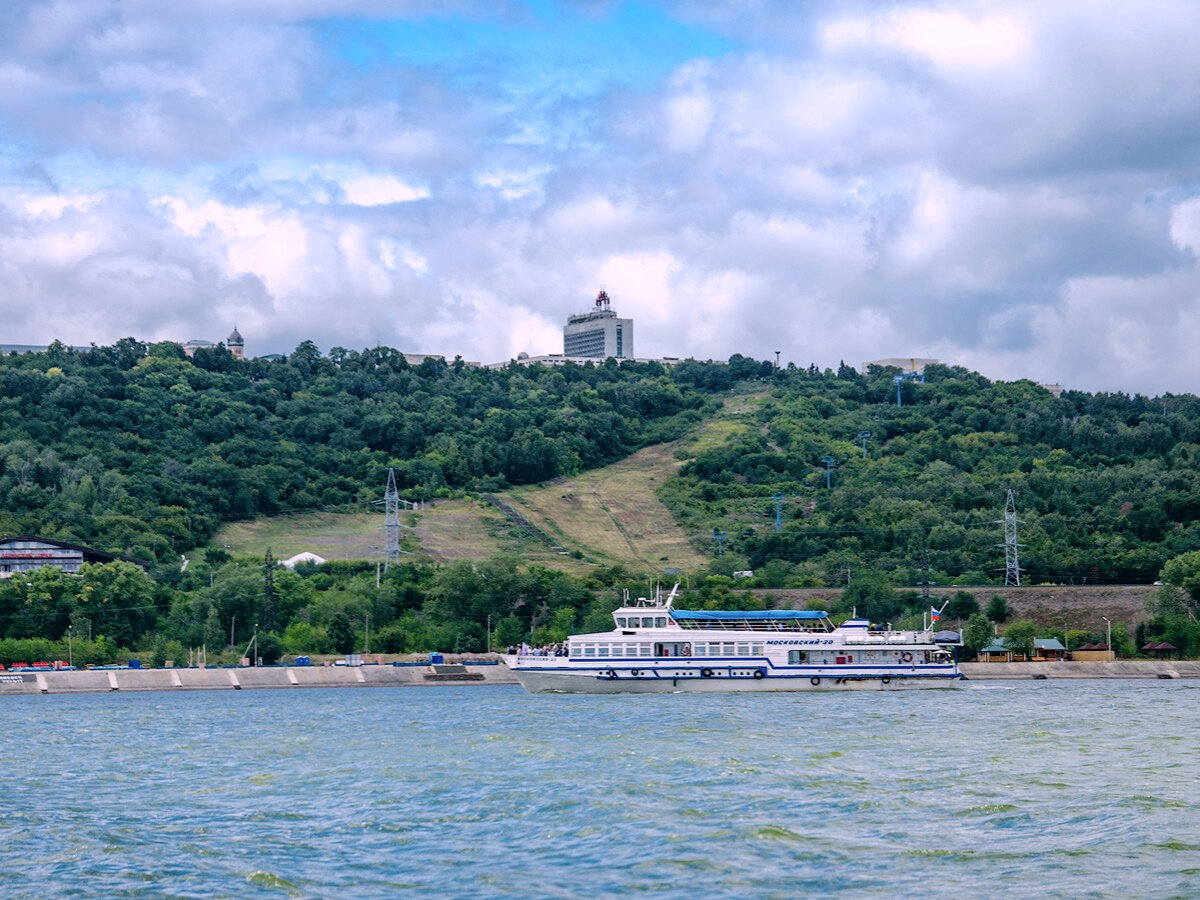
<point x="1009" y="186"/>
<point x="380" y="190"/>
<point x="950" y="39"/>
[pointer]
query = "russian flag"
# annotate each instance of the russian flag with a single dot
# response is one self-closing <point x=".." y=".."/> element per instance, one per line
<point x="934" y="614"/>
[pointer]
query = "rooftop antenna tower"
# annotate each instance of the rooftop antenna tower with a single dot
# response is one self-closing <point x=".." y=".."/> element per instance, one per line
<point x="1012" y="565"/>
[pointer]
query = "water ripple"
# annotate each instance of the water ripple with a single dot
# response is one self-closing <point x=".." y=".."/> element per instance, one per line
<point x="1070" y="788"/>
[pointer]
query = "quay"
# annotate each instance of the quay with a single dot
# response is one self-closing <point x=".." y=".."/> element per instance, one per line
<point x="1065" y="669"/>
<point x="99" y="681"/>
<point x="103" y="681"/>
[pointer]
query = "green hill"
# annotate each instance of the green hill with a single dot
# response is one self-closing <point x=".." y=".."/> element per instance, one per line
<point x="611" y="474"/>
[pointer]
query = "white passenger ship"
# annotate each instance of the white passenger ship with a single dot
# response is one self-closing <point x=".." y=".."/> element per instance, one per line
<point x="656" y="648"/>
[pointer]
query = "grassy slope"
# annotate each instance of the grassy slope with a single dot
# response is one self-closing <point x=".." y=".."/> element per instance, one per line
<point x="610" y="515"/>
<point x="448" y="529"/>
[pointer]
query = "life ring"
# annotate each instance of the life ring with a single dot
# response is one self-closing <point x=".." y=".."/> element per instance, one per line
<point x="906" y="657"/>
<point x="706" y="673"/>
<point x="759" y="674"/>
<point x="886" y="679"/>
<point x="815" y="680"/>
<point x="635" y="672"/>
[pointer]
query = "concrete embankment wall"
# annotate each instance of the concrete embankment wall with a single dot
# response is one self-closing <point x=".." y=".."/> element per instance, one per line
<point x="286" y="678"/>
<point x="290" y="677"/>
<point x="1142" y="668"/>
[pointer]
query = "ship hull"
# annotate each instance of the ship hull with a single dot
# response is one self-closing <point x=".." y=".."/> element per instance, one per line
<point x="546" y="680"/>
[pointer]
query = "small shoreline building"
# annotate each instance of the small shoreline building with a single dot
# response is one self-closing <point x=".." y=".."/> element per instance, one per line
<point x="26" y="552"/>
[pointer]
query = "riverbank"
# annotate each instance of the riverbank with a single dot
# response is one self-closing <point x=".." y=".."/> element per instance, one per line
<point x="101" y="681"/>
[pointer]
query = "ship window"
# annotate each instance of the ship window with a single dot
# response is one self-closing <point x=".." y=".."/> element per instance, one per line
<point x="660" y="622"/>
<point x="727" y="649"/>
<point x="589" y="650"/>
<point x="756" y="650"/>
<point x="700" y="649"/>
<point x="645" y="650"/>
<point x="602" y="650"/>
<point x="621" y="622"/>
<point x="743" y="649"/>
<point x="796" y="657"/>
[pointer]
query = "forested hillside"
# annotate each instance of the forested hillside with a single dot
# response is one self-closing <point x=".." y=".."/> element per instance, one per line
<point x="1106" y="486"/>
<point x="138" y="450"/>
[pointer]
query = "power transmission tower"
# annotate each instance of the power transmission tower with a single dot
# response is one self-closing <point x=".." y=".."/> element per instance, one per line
<point x="924" y="578"/>
<point x="391" y="522"/>
<point x="268" y="609"/>
<point x="1012" y="564"/>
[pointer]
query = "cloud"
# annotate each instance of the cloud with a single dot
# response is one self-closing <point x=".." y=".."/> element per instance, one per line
<point x="1011" y="187"/>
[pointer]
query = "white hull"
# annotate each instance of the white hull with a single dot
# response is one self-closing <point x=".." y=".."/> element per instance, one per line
<point x="540" y="680"/>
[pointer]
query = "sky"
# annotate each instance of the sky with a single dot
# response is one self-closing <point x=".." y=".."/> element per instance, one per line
<point x="1013" y="187"/>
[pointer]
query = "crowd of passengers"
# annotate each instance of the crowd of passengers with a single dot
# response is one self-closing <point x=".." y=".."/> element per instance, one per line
<point x="555" y="649"/>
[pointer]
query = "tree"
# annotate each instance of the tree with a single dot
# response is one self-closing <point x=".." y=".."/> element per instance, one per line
<point x="871" y="597"/>
<point x="118" y="598"/>
<point x="997" y="609"/>
<point x="962" y="606"/>
<point x="270" y="648"/>
<point x="1019" y="636"/>
<point x="977" y="634"/>
<point x="341" y="634"/>
<point x="1184" y="571"/>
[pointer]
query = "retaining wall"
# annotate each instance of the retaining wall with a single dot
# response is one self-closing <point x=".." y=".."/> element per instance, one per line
<point x="1134" y="668"/>
<point x="291" y="677"/>
<point x="281" y="677"/>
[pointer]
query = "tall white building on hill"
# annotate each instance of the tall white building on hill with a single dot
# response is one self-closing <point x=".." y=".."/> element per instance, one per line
<point x="598" y="334"/>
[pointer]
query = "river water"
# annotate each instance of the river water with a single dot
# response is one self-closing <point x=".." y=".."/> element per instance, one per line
<point x="1060" y="788"/>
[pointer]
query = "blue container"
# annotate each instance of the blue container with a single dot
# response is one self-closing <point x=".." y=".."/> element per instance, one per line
<point x="303" y="661"/>
<point x="135" y="664"/>
<point x="436" y="659"/>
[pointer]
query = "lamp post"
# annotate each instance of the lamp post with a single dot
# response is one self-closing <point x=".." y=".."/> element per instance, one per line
<point x="1108" y="640"/>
